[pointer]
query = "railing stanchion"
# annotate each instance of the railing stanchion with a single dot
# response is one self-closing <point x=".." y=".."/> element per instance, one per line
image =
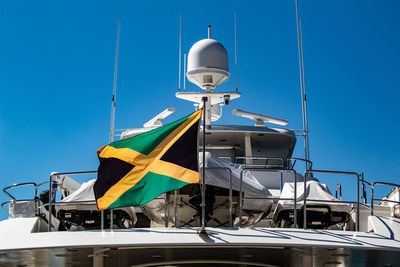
<point x="240" y="197"/>
<point x="295" y="201"/>
<point x="50" y="200"/>
<point x="358" y="204"/>
<point x="372" y="199"/>
<point x="111" y="218"/>
<point x="373" y="191"/>
<point x="102" y="220"/>
<point x="305" y="201"/>
<point x="166" y="210"/>
<point x="175" y="208"/>
<point x="230" y="198"/>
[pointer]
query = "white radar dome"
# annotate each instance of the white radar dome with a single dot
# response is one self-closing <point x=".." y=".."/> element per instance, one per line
<point x="208" y="64"/>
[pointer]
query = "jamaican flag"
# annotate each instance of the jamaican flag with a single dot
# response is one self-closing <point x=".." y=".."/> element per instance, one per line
<point x="136" y="170"/>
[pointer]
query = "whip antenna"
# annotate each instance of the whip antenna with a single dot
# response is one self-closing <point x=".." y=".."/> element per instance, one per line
<point x="112" y="122"/>
<point x="302" y="86"/>
<point x="184" y="72"/>
<point x="180" y="51"/>
<point x="236" y="55"/>
<point x="304" y="90"/>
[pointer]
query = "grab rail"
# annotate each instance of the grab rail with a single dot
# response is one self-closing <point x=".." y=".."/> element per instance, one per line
<point x="176" y="196"/>
<point x="261" y="158"/>
<point x="385" y="200"/>
<point x="300" y="159"/>
<point x="332" y="172"/>
<point x="18" y="185"/>
<point x="363" y="183"/>
<point x="228" y="159"/>
<point x="284" y="162"/>
<point x="51" y="194"/>
<point x="241" y="197"/>
<point x="51" y="203"/>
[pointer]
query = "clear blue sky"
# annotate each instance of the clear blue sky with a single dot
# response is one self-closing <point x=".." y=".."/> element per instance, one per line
<point x="57" y="61"/>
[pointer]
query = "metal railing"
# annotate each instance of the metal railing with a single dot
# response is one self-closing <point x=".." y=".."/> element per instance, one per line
<point x="310" y="164"/>
<point x="51" y="205"/>
<point x="19" y="185"/>
<point x="284" y="163"/>
<point x="228" y="159"/>
<point x="281" y="171"/>
<point x="332" y="172"/>
<point x="14" y="200"/>
<point x="176" y="198"/>
<point x="51" y="194"/>
<point x="363" y="183"/>
<point x="265" y="165"/>
<point x="382" y="200"/>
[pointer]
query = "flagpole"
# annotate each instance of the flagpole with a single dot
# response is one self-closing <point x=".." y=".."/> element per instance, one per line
<point x="203" y="184"/>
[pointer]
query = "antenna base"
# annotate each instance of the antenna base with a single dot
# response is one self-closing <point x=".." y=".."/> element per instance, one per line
<point x="213" y="97"/>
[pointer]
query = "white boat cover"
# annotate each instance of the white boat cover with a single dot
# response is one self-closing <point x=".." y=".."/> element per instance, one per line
<point x="217" y="177"/>
<point x="84" y="193"/>
<point x="314" y="191"/>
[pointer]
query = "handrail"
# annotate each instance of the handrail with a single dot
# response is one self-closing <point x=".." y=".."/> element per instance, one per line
<point x="51" y="204"/>
<point x="17" y="185"/>
<point x="3" y="206"/>
<point x="225" y="158"/>
<point x="241" y="197"/>
<point x="37" y="186"/>
<point x="261" y="158"/>
<point x="331" y="172"/>
<point x="51" y="194"/>
<point x="284" y="162"/>
<point x="364" y="196"/>
<point x="386" y="200"/>
<point x="296" y="159"/>
<point x="83" y="202"/>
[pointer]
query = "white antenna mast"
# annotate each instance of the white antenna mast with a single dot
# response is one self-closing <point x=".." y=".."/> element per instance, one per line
<point x="180" y="48"/>
<point x="302" y="86"/>
<point x="112" y="122"/>
<point x="236" y="55"/>
<point x="304" y="90"/>
<point x="184" y="71"/>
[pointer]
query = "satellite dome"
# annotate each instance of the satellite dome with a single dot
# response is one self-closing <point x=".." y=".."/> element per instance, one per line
<point x="208" y="64"/>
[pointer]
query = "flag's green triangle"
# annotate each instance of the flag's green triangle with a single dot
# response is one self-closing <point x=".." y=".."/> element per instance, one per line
<point x="145" y="143"/>
<point x="148" y="188"/>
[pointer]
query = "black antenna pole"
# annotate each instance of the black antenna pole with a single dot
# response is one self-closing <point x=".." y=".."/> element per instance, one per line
<point x="203" y="180"/>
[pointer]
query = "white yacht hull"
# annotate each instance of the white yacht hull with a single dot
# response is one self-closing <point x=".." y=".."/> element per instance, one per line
<point x="184" y="247"/>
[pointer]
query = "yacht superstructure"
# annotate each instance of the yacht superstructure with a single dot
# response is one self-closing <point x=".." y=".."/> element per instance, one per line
<point x="257" y="208"/>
